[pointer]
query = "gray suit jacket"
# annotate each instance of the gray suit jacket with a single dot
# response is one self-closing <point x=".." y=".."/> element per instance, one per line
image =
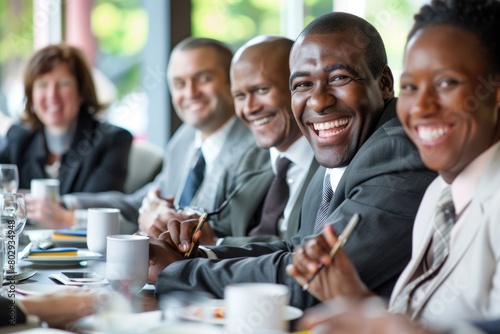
<point x="178" y="153"/>
<point x="384" y="183"/>
<point x="468" y="284"/>
<point x="244" y="211"/>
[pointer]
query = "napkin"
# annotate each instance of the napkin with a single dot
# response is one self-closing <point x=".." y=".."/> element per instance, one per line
<point x="69" y="233"/>
<point x="58" y="251"/>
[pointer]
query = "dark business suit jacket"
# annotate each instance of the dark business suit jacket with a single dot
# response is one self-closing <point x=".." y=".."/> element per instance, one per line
<point x="384" y="182"/>
<point x="245" y="208"/>
<point x="178" y="154"/>
<point x="97" y="159"/>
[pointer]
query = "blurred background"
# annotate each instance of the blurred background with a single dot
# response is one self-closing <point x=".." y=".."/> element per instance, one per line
<point x="128" y="43"/>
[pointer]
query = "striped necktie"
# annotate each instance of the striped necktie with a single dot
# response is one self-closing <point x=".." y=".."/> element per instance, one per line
<point x="325" y="204"/>
<point x="444" y="219"/>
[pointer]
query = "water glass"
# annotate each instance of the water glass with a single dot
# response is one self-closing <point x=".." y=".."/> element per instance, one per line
<point x="13" y="218"/>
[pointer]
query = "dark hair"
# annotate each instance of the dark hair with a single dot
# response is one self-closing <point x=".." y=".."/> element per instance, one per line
<point x="368" y="39"/>
<point x="224" y="53"/>
<point x="480" y="17"/>
<point x="44" y="61"/>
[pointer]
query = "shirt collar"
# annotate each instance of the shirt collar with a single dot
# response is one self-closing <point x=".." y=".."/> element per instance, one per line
<point x="299" y="153"/>
<point x="212" y="145"/>
<point x="335" y="176"/>
<point x="465" y="184"/>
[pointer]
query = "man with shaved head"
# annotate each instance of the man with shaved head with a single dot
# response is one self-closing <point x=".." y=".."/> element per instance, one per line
<point x="259" y="85"/>
<point x="343" y="101"/>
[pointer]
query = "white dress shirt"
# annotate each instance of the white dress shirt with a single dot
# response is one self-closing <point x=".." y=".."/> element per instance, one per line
<point x="210" y="147"/>
<point x="335" y="176"/>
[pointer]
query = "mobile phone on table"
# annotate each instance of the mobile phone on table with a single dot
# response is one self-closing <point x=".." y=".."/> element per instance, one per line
<point x="81" y="276"/>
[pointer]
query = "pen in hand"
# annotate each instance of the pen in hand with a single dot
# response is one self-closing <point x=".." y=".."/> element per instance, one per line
<point x="339" y="244"/>
<point x="201" y="222"/>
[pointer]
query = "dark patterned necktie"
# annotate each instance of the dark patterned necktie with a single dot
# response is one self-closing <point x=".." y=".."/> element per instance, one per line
<point x="275" y="201"/>
<point x="194" y="180"/>
<point x="443" y="223"/>
<point x="325" y="205"/>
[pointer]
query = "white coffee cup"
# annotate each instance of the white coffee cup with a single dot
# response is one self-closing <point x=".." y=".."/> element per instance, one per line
<point x="255" y="307"/>
<point x="101" y="222"/>
<point x="127" y="262"/>
<point x="46" y="188"/>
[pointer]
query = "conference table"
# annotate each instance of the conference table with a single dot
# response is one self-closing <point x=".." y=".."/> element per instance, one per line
<point x="144" y="314"/>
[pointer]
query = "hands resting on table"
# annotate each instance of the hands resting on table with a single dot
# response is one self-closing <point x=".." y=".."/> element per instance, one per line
<point x="48" y="214"/>
<point x="59" y="309"/>
<point x="173" y="244"/>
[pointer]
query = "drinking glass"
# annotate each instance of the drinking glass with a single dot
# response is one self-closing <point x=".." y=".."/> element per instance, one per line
<point x="9" y="178"/>
<point x="13" y="218"/>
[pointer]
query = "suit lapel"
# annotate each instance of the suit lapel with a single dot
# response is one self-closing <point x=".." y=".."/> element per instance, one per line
<point x="71" y="162"/>
<point x="419" y="250"/>
<point x="293" y="220"/>
<point x="39" y="156"/>
<point x="311" y="202"/>
<point x="238" y="139"/>
<point x="262" y="178"/>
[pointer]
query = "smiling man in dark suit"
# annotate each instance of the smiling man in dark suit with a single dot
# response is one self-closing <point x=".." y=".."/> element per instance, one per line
<point x="343" y="101"/>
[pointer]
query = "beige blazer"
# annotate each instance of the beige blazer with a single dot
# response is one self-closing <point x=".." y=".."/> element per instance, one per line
<point x="468" y="285"/>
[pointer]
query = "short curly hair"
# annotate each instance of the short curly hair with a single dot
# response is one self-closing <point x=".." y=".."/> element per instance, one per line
<point x="44" y="61"/>
<point x="480" y="17"/>
<point x="367" y="37"/>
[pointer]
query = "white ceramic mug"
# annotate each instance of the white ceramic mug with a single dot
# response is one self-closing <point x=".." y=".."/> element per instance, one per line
<point x="101" y="222"/>
<point x="46" y="188"/>
<point x="127" y="262"/>
<point x="255" y="307"/>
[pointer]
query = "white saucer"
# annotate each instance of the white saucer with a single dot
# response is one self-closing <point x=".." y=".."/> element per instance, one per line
<point x="193" y="313"/>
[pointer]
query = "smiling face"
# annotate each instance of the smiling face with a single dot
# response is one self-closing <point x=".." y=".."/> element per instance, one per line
<point x="200" y="89"/>
<point x="56" y="99"/>
<point x="262" y="97"/>
<point x="446" y="106"/>
<point x="335" y="99"/>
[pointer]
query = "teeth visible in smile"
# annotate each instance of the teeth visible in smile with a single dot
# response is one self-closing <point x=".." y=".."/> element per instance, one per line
<point x="427" y="133"/>
<point x="262" y="121"/>
<point x="53" y="108"/>
<point x="329" y="125"/>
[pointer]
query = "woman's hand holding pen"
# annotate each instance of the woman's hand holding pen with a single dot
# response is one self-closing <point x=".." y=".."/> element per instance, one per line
<point x="338" y="277"/>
